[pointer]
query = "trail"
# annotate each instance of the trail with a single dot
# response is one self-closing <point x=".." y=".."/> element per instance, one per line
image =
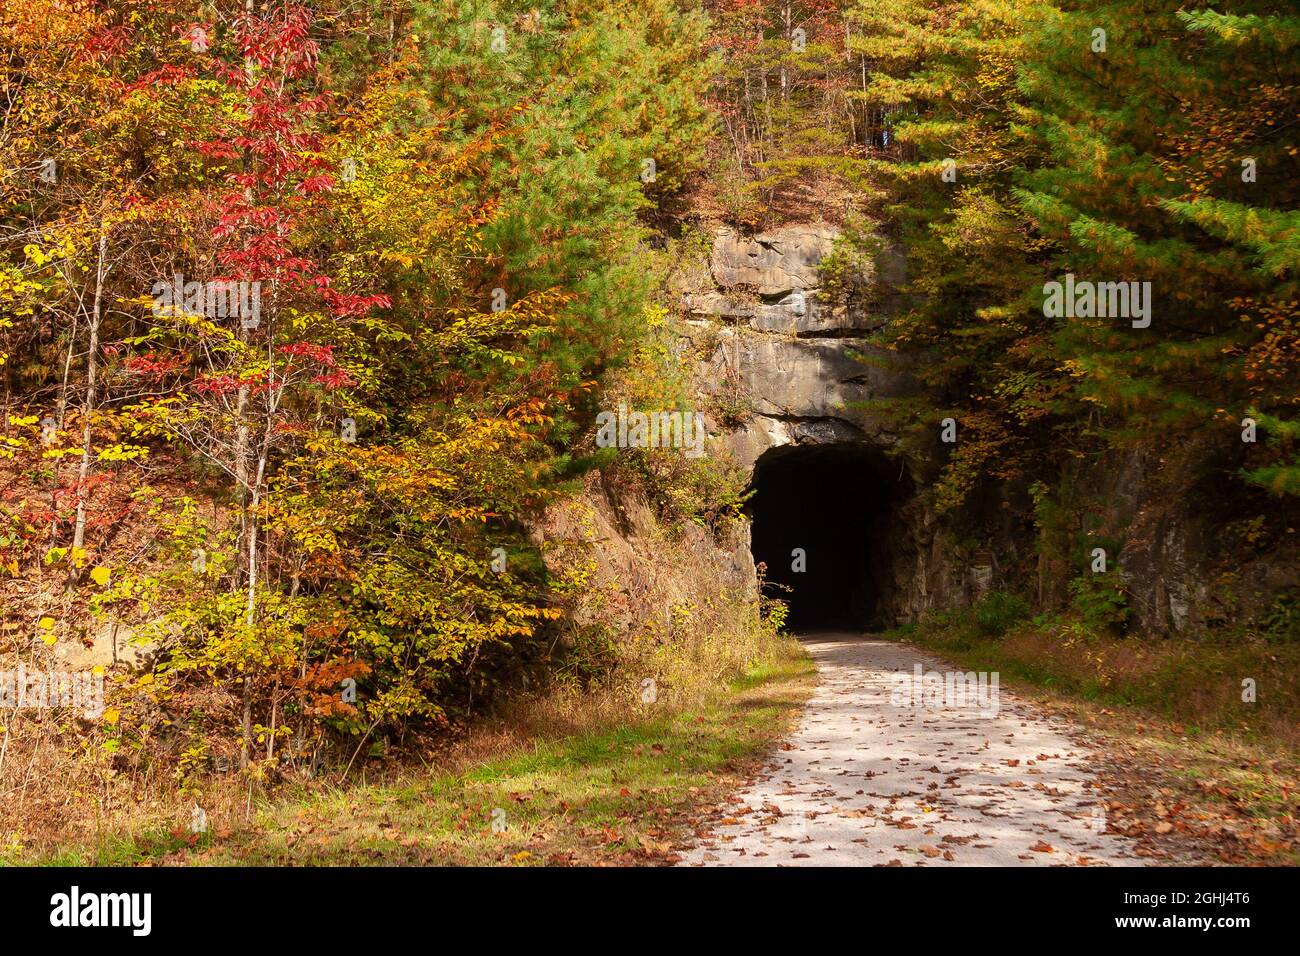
<point x="866" y="781"/>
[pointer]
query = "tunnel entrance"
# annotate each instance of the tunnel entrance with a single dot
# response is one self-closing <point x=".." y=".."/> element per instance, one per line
<point x="824" y="520"/>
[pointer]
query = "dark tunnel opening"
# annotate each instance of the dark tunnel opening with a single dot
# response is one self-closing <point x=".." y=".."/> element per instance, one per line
<point x="824" y="521"/>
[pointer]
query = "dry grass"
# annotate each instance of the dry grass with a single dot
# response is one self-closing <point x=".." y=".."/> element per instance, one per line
<point x="1195" y="684"/>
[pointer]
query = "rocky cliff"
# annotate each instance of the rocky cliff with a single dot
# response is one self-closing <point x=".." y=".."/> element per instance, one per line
<point x="786" y="366"/>
<point x="785" y="354"/>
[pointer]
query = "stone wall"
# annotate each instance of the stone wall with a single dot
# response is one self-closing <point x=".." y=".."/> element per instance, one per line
<point x="788" y="358"/>
<point x="792" y="354"/>
<point x="786" y="345"/>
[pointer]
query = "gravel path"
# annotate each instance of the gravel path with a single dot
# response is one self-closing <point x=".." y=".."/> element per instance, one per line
<point x="869" y="779"/>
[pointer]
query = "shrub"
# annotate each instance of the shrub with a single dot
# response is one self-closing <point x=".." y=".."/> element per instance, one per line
<point x="1103" y="605"/>
<point x="998" y="611"/>
<point x="1280" y="624"/>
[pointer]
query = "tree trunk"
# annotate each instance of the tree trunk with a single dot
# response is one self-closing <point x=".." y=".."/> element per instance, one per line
<point x="88" y="405"/>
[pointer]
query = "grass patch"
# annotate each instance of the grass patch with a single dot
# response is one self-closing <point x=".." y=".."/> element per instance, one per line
<point x="628" y="794"/>
<point x="1197" y="684"/>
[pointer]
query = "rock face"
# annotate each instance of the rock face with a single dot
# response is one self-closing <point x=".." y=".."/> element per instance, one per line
<point x="786" y="363"/>
<point x="1175" y="575"/>
<point x="786" y="353"/>
<point x="789" y="351"/>
<point x="772" y="282"/>
<point x="111" y="643"/>
<point x="636" y="573"/>
<point x="772" y="263"/>
<point x="794" y="313"/>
